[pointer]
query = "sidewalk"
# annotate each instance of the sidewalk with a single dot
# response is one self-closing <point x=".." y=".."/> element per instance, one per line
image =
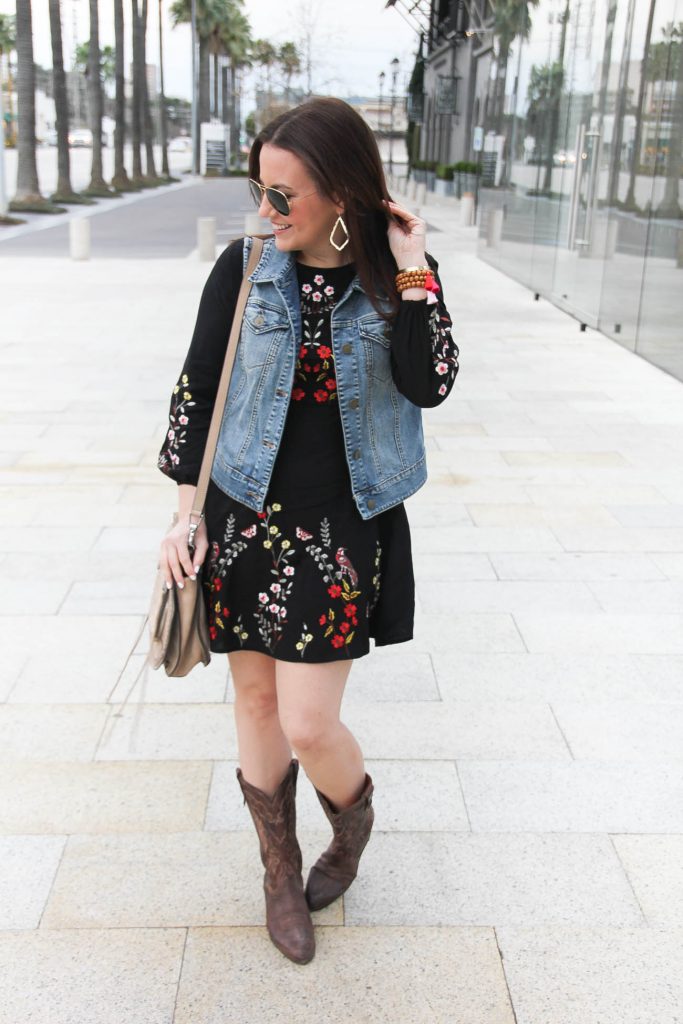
<point x="526" y="748"/>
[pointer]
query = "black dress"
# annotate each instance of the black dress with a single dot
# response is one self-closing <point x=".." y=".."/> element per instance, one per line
<point x="308" y="579"/>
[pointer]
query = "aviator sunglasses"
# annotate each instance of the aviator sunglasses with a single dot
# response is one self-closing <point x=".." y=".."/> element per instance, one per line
<point x="278" y="200"/>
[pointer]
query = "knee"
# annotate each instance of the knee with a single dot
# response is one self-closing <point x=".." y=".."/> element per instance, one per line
<point x="306" y="733"/>
<point x="257" y="700"/>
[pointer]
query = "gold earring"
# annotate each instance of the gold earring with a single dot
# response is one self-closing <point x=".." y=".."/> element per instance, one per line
<point x="346" y="240"/>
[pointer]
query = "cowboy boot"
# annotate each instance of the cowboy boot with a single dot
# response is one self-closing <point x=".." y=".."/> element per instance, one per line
<point x="287" y="915"/>
<point x="336" y="868"/>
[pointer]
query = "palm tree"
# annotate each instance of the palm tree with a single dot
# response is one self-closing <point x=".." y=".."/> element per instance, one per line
<point x="289" y="59"/>
<point x="669" y="206"/>
<point x="237" y="42"/>
<point x="138" y="179"/>
<point x="120" y="181"/>
<point x="147" y="129"/>
<point x="630" y="200"/>
<point x="28" y="196"/>
<point x="7" y="44"/>
<point x="97" y="186"/>
<point x="65" y="192"/>
<point x="162" y="104"/>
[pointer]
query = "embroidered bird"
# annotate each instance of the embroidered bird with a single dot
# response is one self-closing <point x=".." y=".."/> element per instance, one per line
<point x="303" y="534"/>
<point x="343" y="561"/>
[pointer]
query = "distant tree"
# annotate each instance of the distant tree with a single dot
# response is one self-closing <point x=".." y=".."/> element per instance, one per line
<point x="65" y="192"/>
<point x="97" y="186"/>
<point x="120" y="181"/>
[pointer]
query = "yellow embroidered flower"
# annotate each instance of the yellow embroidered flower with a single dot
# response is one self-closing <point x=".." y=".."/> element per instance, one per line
<point x="308" y="638"/>
<point x="176" y="389"/>
<point x="184" y="378"/>
<point x="243" y="636"/>
<point x="273" y="529"/>
<point x="186" y="395"/>
<point x="299" y="646"/>
<point x="276" y="508"/>
<point x="267" y="543"/>
<point x="286" y="543"/>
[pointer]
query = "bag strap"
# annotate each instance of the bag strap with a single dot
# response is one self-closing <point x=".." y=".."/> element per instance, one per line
<point x="222" y="393"/>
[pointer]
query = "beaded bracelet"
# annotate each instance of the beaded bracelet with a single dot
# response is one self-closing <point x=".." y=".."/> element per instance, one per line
<point x="416" y="277"/>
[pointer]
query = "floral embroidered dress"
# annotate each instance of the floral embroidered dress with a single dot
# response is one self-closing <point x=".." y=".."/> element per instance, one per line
<point x="307" y="579"/>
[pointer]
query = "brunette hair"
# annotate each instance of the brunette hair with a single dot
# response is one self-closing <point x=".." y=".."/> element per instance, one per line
<point x="340" y="152"/>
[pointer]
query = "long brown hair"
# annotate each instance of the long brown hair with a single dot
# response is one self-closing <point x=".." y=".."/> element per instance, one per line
<point x="340" y="152"/>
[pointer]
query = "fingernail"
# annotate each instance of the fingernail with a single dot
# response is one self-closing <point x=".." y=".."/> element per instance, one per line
<point x="196" y="568"/>
<point x="193" y="577"/>
<point x="181" y="585"/>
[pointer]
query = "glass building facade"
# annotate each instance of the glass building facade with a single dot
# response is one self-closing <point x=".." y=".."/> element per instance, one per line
<point x="581" y="132"/>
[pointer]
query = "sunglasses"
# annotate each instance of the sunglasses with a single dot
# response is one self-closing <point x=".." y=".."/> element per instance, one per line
<point x="278" y="200"/>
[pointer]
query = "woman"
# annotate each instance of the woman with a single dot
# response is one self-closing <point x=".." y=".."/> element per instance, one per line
<point x="304" y="525"/>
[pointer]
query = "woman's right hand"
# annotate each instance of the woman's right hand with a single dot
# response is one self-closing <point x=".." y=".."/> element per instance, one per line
<point x="174" y="554"/>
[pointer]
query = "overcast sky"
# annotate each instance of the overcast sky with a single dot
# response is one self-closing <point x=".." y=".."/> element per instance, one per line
<point x="353" y="40"/>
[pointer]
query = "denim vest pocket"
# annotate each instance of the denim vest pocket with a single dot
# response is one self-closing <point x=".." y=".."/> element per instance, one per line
<point x="263" y="328"/>
<point x="376" y="338"/>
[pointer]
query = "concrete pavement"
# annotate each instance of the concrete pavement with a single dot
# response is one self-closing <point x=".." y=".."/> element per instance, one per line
<point x="526" y="747"/>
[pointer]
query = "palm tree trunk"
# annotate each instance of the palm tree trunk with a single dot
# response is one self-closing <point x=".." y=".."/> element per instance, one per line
<point x="204" y="89"/>
<point x="146" y="111"/>
<point x="162" y="103"/>
<point x="28" y="190"/>
<point x="620" y="110"/>
<point x="630" y="200"/>
<point x="65" y="192"/>
<point x="137" y="179"/>
<point x="120" y="180"/>
<point x="670" y="206"/>
<point x="97" y="183"/>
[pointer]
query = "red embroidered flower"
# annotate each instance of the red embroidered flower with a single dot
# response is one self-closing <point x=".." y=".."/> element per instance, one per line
<point x="331" y="383"/>
<point x="334" y="590"/>
<point x="302" y="352"/>
<point x="261" y="515"/>
<point x="217" y="584"/>
<point x="316" y="367"/>
<point x="344" y="627"/>
<point x="322" y="620"/>
<point x="213" y="632"/>
<point x="226" y="612"/>
<point x="354" y="621"/>
<point x="350" y="610"/>
<point x="307" y="367"/>
<point x="298" y="394"/>
<point x="324" y="351"/>
<point x="320" y="396"/>
<point x="337" y="640"/>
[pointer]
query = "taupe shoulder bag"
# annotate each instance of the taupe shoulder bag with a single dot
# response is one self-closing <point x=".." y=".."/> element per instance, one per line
<point x="178" y="623"/>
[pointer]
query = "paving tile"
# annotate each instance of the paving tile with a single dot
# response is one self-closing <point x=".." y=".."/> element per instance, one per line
<point x="29" y="864"/>
<point x="168" y="880"/>
<point x="577" y="565"/>
<point x="171" y="732"/>
<point x="392" y="675"/>
<point x="585" y="975"/>
<point x="622" y="731"/>
<point x="580" y="796"/>
<point x="490" y="879"/>
<point x="377" y="975"/>
<point x="98" y="976"/>
<point x="654" y="865"/>
<point x="603" y="633"/>
<point x="50" y="732"/>
<point x="468" y="596"/>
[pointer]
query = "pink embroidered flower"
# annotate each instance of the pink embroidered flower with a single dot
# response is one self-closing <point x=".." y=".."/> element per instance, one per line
<point x="306" y="288"/>
<point x="288" y="570"/>
<point x="274" y="608"/>
<point x="329" y="290"/>
<point x="183" y="420"/>
<point x="263" y="598"/>
<point x="443" y="389"/>
<point x="441" y="368"/>
<point x="318" y="279"/>
<point x="316" y="296"/>
<point x="171" y="435"/>
<point x="275" y="588"/>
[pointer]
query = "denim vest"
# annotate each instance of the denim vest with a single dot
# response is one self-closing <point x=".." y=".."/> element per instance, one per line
<point x="382" y="430"/>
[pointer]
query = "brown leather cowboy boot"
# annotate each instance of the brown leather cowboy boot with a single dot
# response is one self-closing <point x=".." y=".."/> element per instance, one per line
<point x="287" y="915"/>
<point x="336" y="868"/>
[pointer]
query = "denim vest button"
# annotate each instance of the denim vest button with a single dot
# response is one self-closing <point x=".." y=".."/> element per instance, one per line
<point x="354" y="403"/>
<point x="280" y="393"/>
<point x="356" y="453"/>
<point x="346" y="348"/>
<point x="269" y="444"/>
<point x="371" y="502"/>
<point x="259" y="320"/>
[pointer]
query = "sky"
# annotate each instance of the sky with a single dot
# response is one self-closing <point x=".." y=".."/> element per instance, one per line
<point x="353" y="41"/>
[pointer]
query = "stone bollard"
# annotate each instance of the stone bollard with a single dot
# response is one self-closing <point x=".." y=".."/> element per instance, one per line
<point x="494" y="231"/>
<point x="206" y="239"/>
<point x="79" y="238"/>
<point x="256" y="225"/>
<point x="420" y="193"/>
<point x="467" y="209"/>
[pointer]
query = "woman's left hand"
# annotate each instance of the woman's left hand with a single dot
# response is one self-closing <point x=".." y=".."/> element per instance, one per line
<point x="407" y="240"/>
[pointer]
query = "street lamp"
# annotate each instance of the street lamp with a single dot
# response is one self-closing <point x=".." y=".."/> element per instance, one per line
<point x="382" y="76"/>
<point x="394" y="75"/>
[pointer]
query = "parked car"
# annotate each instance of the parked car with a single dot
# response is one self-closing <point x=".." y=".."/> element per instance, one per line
<point x="80" y="137"/>
<point x="181" y="144"/>
<point x="50" y="137"/>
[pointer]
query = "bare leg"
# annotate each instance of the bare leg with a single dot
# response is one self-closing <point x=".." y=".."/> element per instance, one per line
<point x="264" y="753"/>
<point x="309" y="700"/>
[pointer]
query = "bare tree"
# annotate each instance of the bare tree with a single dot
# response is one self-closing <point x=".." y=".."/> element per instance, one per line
<point x="65" y="192"/>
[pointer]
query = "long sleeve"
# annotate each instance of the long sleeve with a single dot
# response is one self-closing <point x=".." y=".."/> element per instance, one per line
<point x="194" y="393"/>
<point x="424" y="356"/>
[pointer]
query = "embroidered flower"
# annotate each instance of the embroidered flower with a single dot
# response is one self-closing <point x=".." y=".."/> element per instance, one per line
<point x="263" y="598"/>
<point x="288" y="569"/>
<point x="324" y="351"/>
<point x="335" y="590"/>
<point x="337" y="640"/>
<point x="298" y="394"/>
<point x="318" y="279"/>
<point x="306" y="288"/>
<point x="441" y="368"/>
<point x="320" y="396"/>
<point x="274" y="608"/>
<point x="329" y="290"/>
<point x="330" y="384"/>
<point x="316" y="296"/>
<point x="350" y="610"/>
<point x="275" y="588"/>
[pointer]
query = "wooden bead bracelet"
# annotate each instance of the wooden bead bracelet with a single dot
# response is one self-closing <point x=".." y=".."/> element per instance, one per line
<point x="416" y="277"/>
